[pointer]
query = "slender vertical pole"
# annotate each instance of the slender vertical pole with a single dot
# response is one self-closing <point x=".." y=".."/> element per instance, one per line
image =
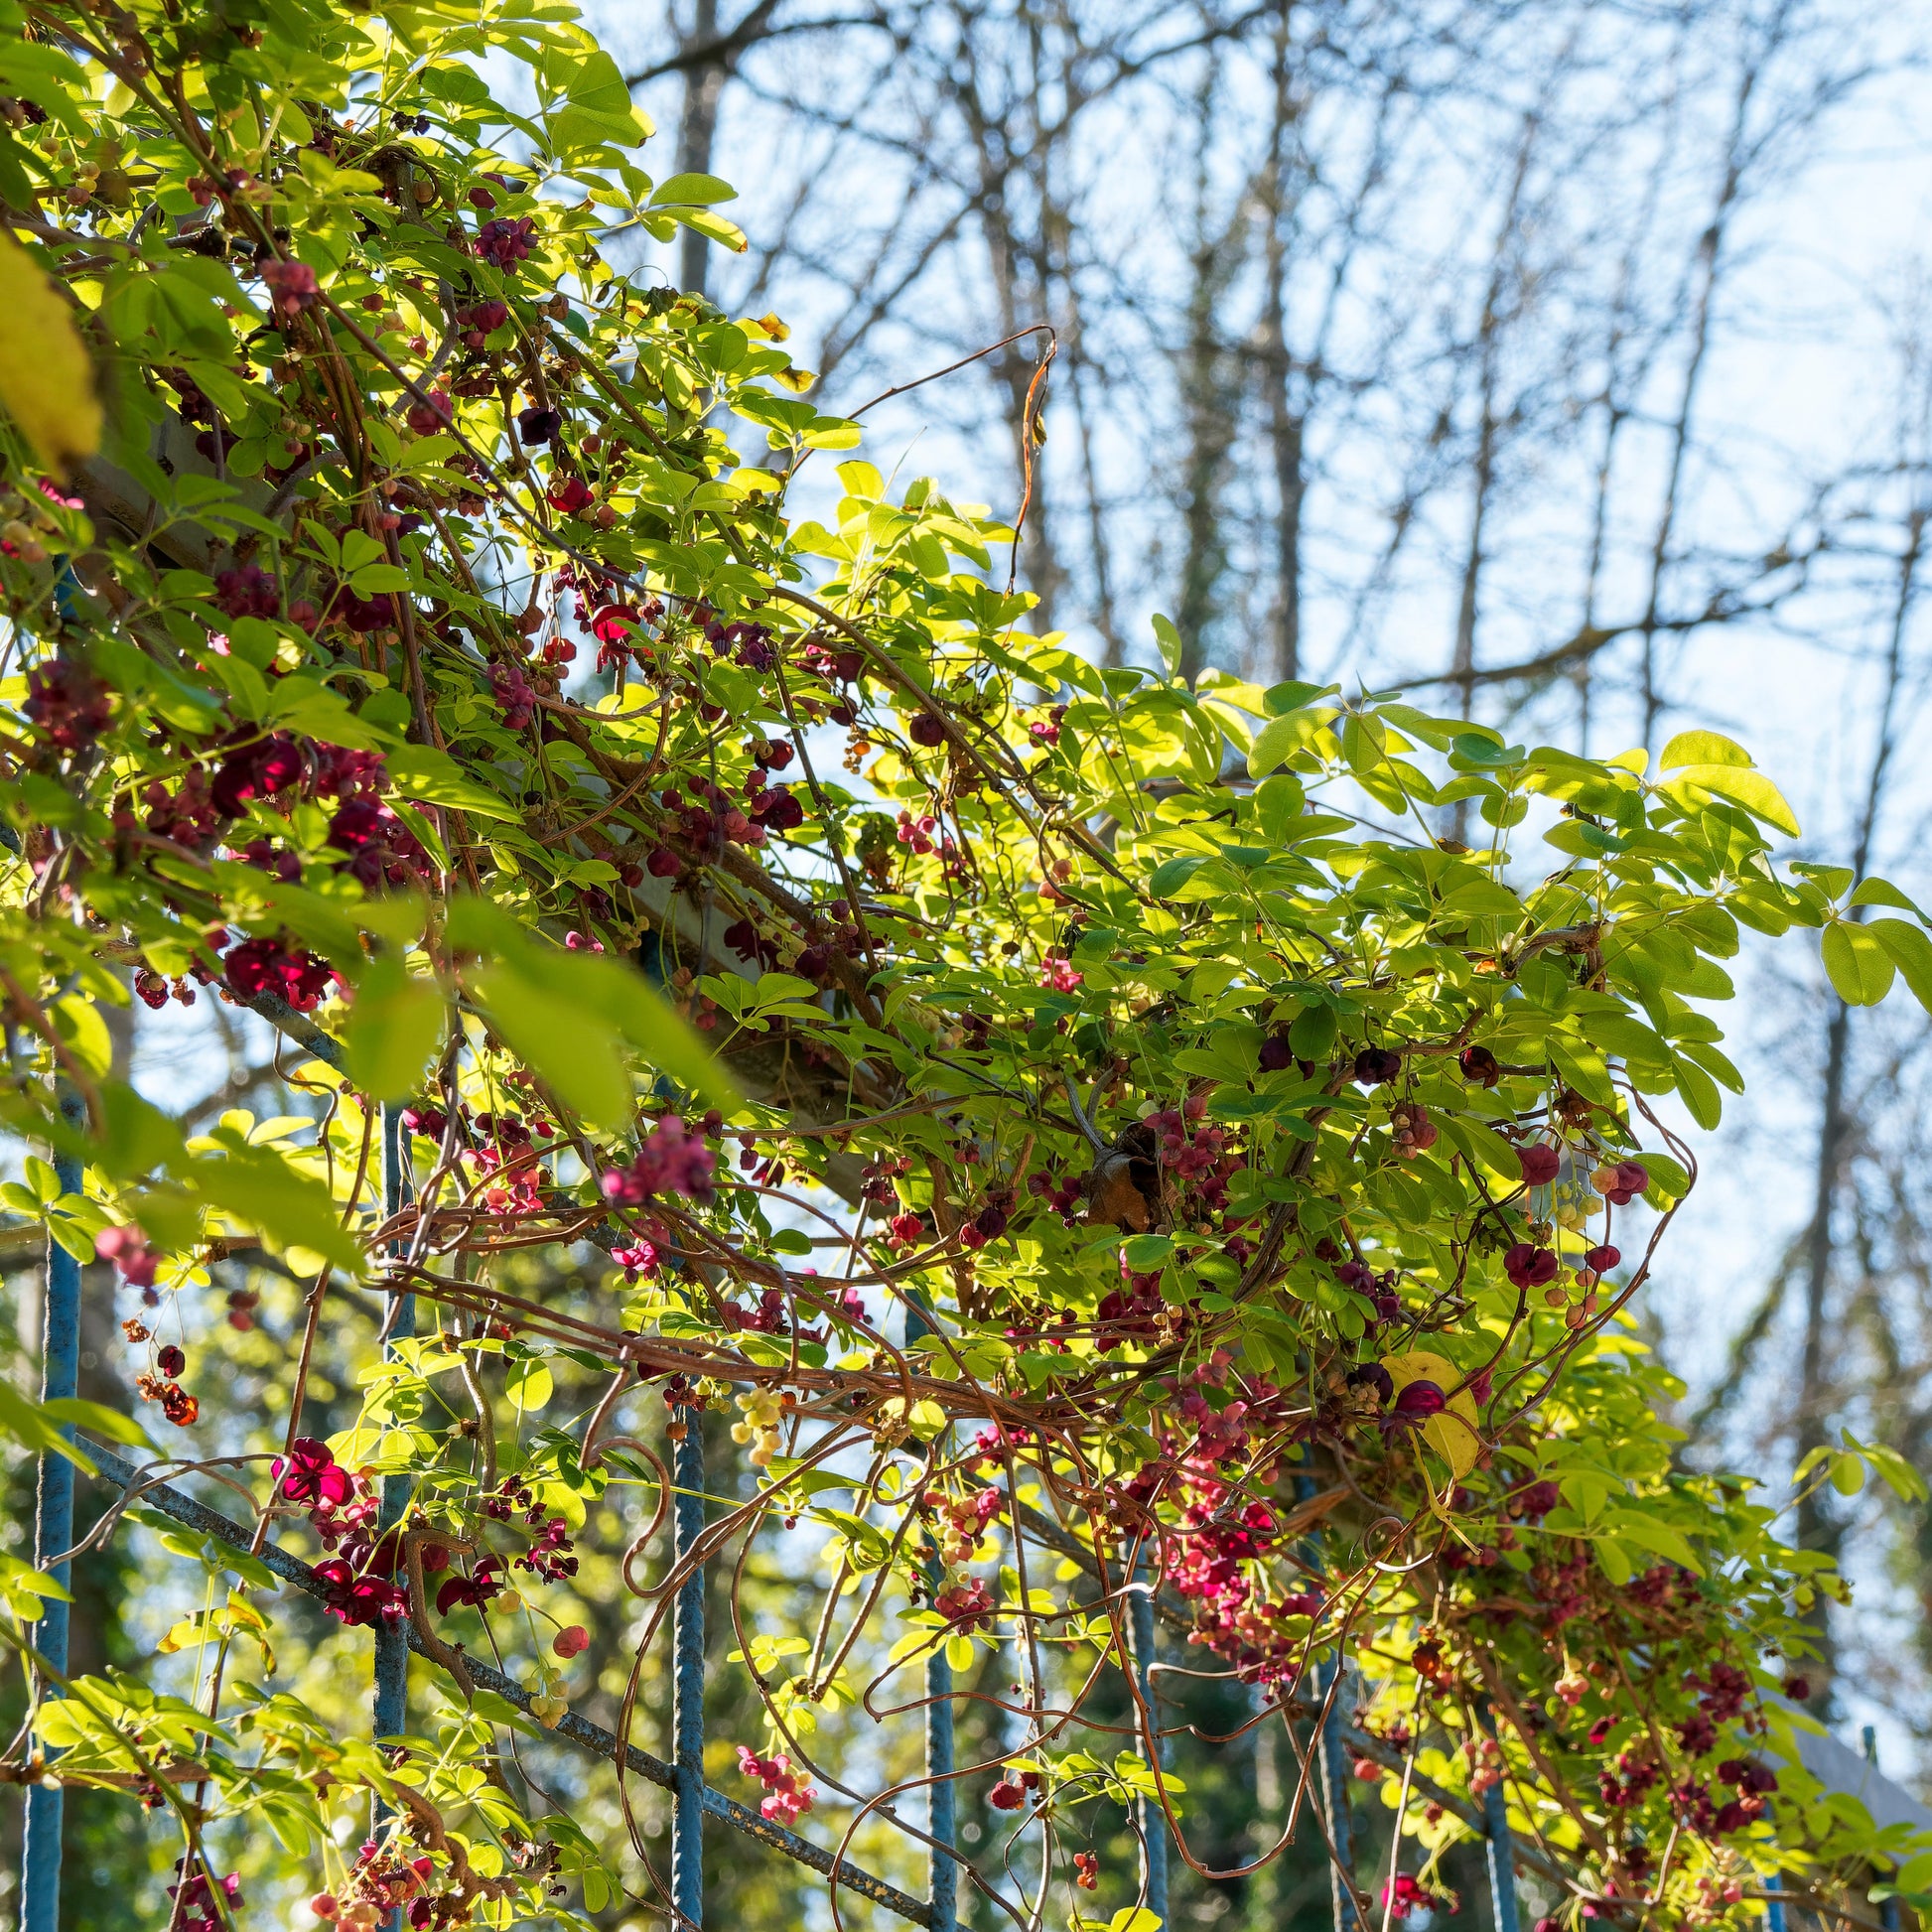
<point x="687" y="1680"/>
<point x="1332" y="1763"/>
<point x="942" y="1800"/>
<point x="1774" y="1906"/>
<point x="392" y="1639"/>
<point x="1500" y="1850"/>
<point x="1153" y="1819"/>
<point x="1888" y="1907"/>
<point x="1334" y="1790"/>
<point x="40" y="1878"/>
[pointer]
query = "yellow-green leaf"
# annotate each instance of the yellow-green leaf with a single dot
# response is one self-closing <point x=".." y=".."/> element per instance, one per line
<point x="395" y="1030"/>
<point x="1702" y="747"/>
<point x="1742" y="786"/>
<point x="1859" y="963"/>
<point x="1911" y="951"/>
<point x="47" y="378"/>
<point x="575" y="1052"/>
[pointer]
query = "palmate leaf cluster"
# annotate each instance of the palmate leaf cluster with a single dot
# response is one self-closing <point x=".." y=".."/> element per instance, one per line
<point x="1067" y="1120"/>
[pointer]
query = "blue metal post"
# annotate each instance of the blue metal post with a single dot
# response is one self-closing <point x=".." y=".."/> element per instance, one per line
<point x="1331" y="1762"/>
<point x="392" y="1640"/>
<point x="1335" y="1791"/>
<point x="40" y="1878"/>
<point x="1500" y="1850"/>
<point x="942" y="1799"/>
<point x="1888" y="1907"/>
<point x="687" y="1681"/>
<point x="1774" y="1906"/>
<point x="1153" y="1819"/>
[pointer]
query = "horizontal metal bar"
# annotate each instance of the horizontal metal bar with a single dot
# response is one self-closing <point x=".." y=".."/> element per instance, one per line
<point x="592" y="1738"/>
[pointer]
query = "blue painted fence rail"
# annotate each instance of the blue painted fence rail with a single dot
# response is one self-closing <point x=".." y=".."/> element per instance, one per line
<point x="39" y="1875"/>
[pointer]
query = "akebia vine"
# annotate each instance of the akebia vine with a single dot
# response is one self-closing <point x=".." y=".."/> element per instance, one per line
<point x="411" y="641"/>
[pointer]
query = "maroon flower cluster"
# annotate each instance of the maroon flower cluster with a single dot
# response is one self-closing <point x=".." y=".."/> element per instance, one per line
<point x="66" y="704"/>
<point x="196" y="1907"/>
<point x="671" y="1161"/>
<point x="507" y="240"/>
<point x="280" y="967"/>
<point x="247" y="591"/>
<point x="344" y="1511"/>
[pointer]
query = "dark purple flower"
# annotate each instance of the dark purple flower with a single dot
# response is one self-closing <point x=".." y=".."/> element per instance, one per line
<point x="247" y="591"/>
<point x="536" y="425"/>
<point x="1414" y="1406"/>
<point x="505" y="243"/>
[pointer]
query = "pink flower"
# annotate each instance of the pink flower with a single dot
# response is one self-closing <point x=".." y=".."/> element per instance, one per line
<point x="613" y="623"/>
<point x="1539" y="1163"/>
<point x="361" y="1602"/>
<point x="1530" y="1267"/>
<point x="257" y="770"/>
<point x="291" y="286"/>
<point x="247" y="592"/>
<point x="127" y="1248"/>
<point x="789" y="1797"/>
<point x="1058" y="975"/>
<point x="1414" y="1406"/>
<point x="671" y="1161"/>
<point x="571" y="494"/>
<point x="513" y="694"/>
<point x="259" y="966"/>
<point x="311" y="1475"/>
<point x="477" y="1589"/>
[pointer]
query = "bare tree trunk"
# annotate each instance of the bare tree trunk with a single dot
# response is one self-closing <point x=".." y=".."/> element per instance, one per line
<point x="1819" y="1525"/>
<point x="1210" y="403"/>
<point x="1284" y="422"/>
<point x="697" y="133"/>
<point x="1708" y="264"/>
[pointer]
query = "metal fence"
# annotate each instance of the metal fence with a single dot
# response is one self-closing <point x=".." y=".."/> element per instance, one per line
<point x="693" y="1801"/>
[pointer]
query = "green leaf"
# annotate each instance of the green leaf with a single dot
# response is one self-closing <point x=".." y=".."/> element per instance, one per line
<point x="529" y="1384"/>
<point x="1169" y="639"/>
<point x="1742" y="786"/>
<point x="1702" y="747"/>
<point x="1171" y="874"/>
<point x="622" y="997"/>
<point x="577" y="1053"/>
<point x="395" y="1030"/>
<point x="1279" y="738"/>
<point x="1881" y="891"/>
<point x="692" y="191"/>
<point x="29" y="1424"/>
<point x="422" y="771"/>
<point x="258" y="1190"/>
<point x="99" y="1420"/>
<point x="1858" y="962"/>
<point x="1911" y="951"/>
<point x="1698" y="1091"/>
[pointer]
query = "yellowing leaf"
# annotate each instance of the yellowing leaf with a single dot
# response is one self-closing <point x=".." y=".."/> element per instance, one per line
<point x="1455" y="1433"/>
<point x="1702" y="747"/>
<point x="47" y="380"/>
<point x="1742" y="786"/>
